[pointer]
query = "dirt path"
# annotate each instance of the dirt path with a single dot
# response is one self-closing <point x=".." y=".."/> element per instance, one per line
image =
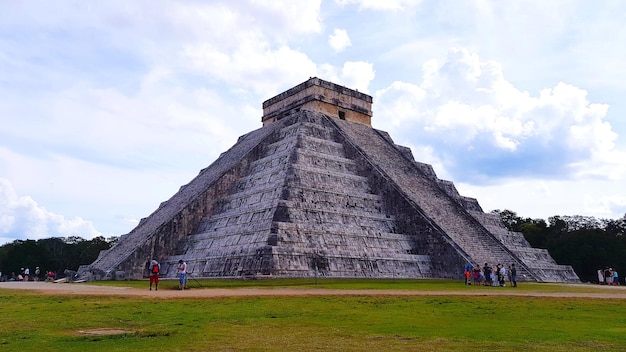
<point x="87" y="289"/>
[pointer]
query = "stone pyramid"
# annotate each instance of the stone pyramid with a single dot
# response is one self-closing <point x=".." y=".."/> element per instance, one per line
<point x="317" y="192"/>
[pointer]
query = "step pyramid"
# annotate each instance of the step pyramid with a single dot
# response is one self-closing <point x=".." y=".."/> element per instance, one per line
<point x="317" y="192"/>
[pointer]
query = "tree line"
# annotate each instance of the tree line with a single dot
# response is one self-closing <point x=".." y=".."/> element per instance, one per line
<point x="54" y="254"/>
<point x="586" y="243"/>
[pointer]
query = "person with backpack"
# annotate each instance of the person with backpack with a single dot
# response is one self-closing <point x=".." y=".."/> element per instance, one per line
<point x="154" y="268"/>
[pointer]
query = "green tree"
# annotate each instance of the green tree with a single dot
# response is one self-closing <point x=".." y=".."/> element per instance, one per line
<point x="51" y="254"/>
<point x="586" y="243"/>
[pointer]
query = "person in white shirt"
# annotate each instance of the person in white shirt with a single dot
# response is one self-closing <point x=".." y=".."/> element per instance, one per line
<point x="502" y="276"/>
<point x="182" y="274"/>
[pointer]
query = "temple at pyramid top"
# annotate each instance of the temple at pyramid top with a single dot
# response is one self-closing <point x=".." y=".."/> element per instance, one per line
<point x="322" y="96"/>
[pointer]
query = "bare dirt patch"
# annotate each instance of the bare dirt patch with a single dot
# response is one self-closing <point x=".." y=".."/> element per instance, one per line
<point x="608" y="292"/>
<point x="101" y="332"/>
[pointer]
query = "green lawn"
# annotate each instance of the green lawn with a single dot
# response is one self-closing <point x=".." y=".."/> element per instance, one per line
<point x="362" y="284"/>
<point x="34" y="322"/>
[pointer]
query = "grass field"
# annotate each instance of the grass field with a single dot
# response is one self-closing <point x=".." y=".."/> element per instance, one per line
<point x="32" y="321"/>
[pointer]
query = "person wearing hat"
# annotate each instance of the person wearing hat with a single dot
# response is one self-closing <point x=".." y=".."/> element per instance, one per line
<point x="37" y="274"/>
<point x="182" y="274"/>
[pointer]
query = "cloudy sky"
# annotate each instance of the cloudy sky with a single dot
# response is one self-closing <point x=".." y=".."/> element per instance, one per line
<point x="107" y="108"/>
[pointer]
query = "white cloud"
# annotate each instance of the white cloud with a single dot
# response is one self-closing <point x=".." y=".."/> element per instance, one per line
<point x="255" y="56"/>
<point x="354" y="74"/>
<point x="23" y="218"/>
<point x="357" y="75"/>
<point x="401" y="101"/>
<point x="243" y="43"/>
<point x="377" y="5"/>
<point x="287" y="17"/>
<point x="339" y="40"/>
<point x="546" y="153"/>
<point x="137" y="130"/>
<point x="252" y="59"/>
<point x="476" y="120"/>
<point x="540" y="198"/>
<point x="111" y="197"/>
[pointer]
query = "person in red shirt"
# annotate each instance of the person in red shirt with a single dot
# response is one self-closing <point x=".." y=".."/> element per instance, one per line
<point x="154" y="268"/>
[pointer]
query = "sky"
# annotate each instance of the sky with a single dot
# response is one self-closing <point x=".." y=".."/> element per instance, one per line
<point x="107" y="108"/>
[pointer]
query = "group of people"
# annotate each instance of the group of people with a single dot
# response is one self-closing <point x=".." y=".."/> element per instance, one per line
<point x="155" y="268"/>
<point x="490" y="276"/>
<point x="608" y="276"/>
<point x="25" y="275"/>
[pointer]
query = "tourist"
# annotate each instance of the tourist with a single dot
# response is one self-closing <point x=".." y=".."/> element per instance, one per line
<point x="502" y="275"/>
<point x="478" y="275"/>
<point x="514" y="275"/>
<point x="615" y="278"/>
<point x="508" y="275"/>
<point x="37" y="274"/>
<point x="154" y="268"/>
<point x="608" y="277"/>
<point x="182" y="274"/>
<point x="488" y="276"/>
<point x="600" y="277"/>
<point x="26" y="274"/>
<point x="467" y="273"/>
<point x="494" y="276"/>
